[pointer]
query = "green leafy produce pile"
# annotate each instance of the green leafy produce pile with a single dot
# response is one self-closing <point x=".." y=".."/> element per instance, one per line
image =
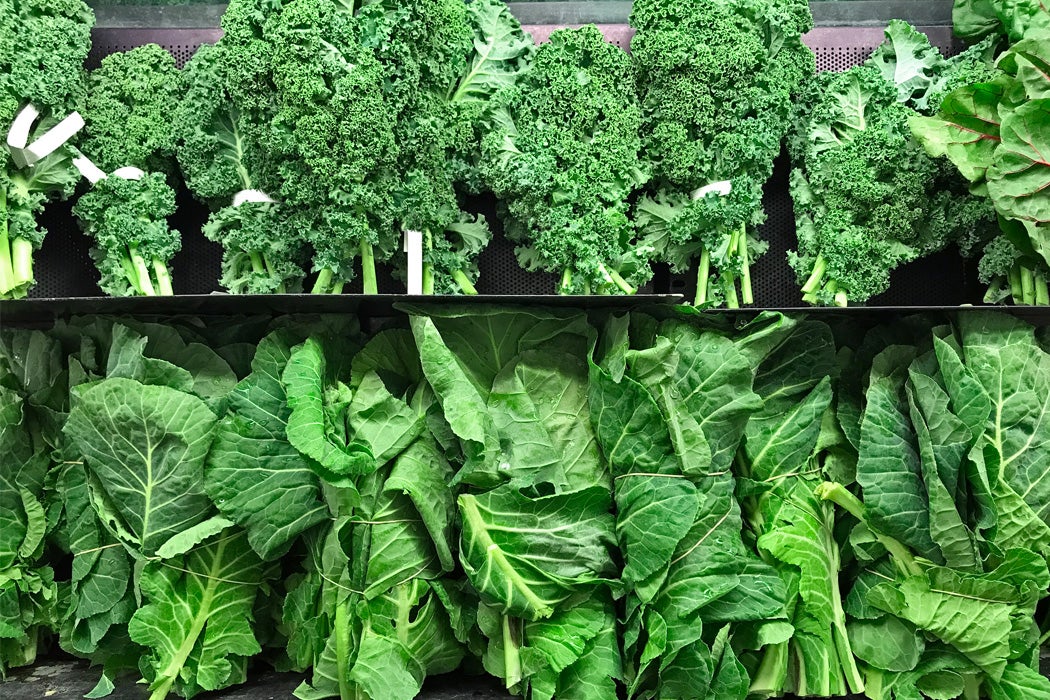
<point x="655" y="505"/>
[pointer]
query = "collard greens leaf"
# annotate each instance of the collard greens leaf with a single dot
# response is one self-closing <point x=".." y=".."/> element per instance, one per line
<point x="144" y="447"/>
<point x="526" y="555"/>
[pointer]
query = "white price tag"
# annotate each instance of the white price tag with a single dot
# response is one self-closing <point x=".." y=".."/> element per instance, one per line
<point x="88" y="170"/>
<point x="414" y="249"/>
<point x="26" y="154"/>
<point x="722" y="189"/>
<point x="250" y="196"/>
<point x="129" y="173"/>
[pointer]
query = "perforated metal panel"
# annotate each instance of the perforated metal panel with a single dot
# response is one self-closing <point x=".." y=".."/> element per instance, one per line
<point x="64" y="267"/>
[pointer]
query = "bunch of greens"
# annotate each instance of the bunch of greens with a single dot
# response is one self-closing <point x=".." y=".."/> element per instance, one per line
<point x="224" y="160"/>
<point x="43" y="46"/>
<point x="994" y="130"/>
<point x="332" y="130"/>
<point x="977" y="19"/>
<point x="562" y="157"/>
<point x="536" y="540"/>
<point x="949" y="543"/>
<point x="670" y="402"/>
<point x="131" y="98"/>
<point x="716" y="82"/>
<point x="444" y="60"/>
<point x="867" y="197"/>
<point x="33" y="395"/>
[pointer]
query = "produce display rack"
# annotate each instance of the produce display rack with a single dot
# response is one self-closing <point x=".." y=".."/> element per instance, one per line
<point x="844" y="35"/>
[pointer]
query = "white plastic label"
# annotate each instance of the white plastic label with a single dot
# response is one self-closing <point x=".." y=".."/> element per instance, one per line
<point x="54" y="138"/>
<point x="722" y="189"/>
<point x="414" y="249"/>
<point x="250" y="196"/>
<point x="91" y="172"/>
<point x="129" y="173"/>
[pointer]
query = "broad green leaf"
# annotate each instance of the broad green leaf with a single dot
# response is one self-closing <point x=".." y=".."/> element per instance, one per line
<point x="383" y="422"/>
<point x="311" y="429"/>
<point x="889" y="643"/>
<point x="908" y="60"/>
<point x="527" y="555"/>
<point x="197" y="620"/>
<point x="253" y="474"/>
<point x="889" y="468"/>
<point x="463" y="404"/>
<point x="966" y="129"/>
<point x="145" y="447"/>
<point x="656" y="504"/>
<point x="191" y="537"/>
<point x="1019" y="682"/>
<point x="1019" y="179"/>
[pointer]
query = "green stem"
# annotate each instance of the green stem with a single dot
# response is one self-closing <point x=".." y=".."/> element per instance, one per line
<point x="1042" y="291"/>
<point x="342" y="650"/>
<point x="145" y="282"/>
<point x="7" y="275"/>
<point x="163" y="278"/>
<point x="837" y="494"/>
<point x="624" y="286"/>
<point x="337" y="287"/>
<point x="22" y="262"/>
<point x="465" y="285"/>
<point x="566" y="282"/>
<point x="971" y="687"/>
<point x="324" y="279"/>
<point x="729" y="287"/>
<point x="746" y="294"/>
<point x="281" y="289"/>
<point x="1027" y="286"/>
<point x="1015" y="283"/>
<point x="257" y="262"/>
<point x="368" y="268"/>
<point x="702" y="275"/>
<point x="428" y="269"/>
<point x="820" y="267"/>
<point x="511" y="653"/>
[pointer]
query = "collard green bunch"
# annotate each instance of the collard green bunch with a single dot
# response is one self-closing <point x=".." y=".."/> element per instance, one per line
<point x="131" y="99"/>
<point x="43" y="45"/>
<point x="564" y="159"/>
<point x="716" y="82"/>
<point x="868" y="198"/>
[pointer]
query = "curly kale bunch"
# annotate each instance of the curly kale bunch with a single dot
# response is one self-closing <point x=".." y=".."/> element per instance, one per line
<point x="132" y="97"/>
<point x="333" y="134"/>
<point x="564" y="158"/>
<point x="868" y="198"/>
<point x="128" y="220"/>
<point x="716" y="82"/>
<point x="43" y="45"/>
<point x="223" y="153"/>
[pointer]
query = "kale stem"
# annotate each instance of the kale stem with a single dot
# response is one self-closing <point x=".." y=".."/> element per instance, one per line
<point x="257" y="262"/>
<point x="337" y="287"/>
<point x="745" y="268"/>
<point x="163" y="278"/>
<point x="624" y="286"/>
<point x="145" y="282"/>
<point x="7" y="275"/>
<point x="368" y="268"/>
<point x="428" y="269"/>
<point x="511" y="653"/>
<point x="324" y="278"/>
<point x="702" y="275"/>
<point x="772" y="671"/>
<point x="1027" y="286"/>
<point x="971" y="687"/>
<point x="820" y="267"/>
<point x="465" y="285"/>
<point x="566" y="282"/>
<point x="1015" y="283"/>
<point x="1042" y="291"/>
<point x="21" y="262"/>
<point x="342" y="650"/>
